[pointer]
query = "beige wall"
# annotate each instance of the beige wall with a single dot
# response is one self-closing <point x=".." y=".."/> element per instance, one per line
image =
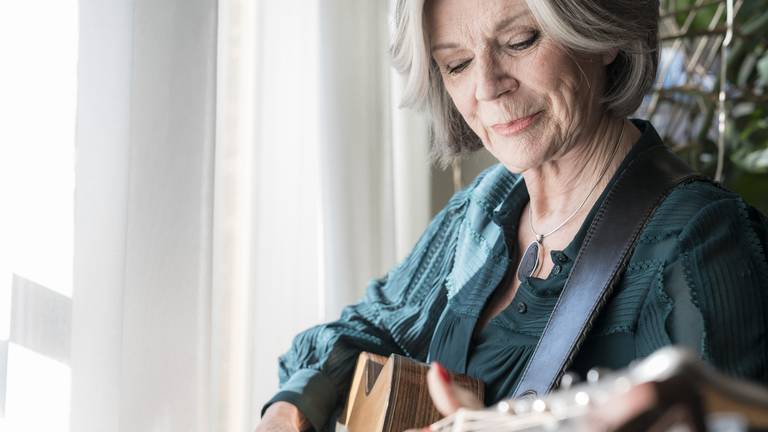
<point x="442" y="180"/>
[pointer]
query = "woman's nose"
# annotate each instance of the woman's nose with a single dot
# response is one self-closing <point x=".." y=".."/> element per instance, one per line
<point x="492" y="81"/>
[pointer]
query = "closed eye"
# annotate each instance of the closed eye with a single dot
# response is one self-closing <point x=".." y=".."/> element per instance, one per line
<point x="453" y="70"/>
<point x="519" y="46"/>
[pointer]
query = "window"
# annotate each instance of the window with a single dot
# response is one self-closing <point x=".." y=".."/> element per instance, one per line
<point x="37" y="116"/>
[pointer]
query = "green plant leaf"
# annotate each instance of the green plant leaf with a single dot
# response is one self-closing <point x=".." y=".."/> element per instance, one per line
<point x="762" y="69"/>
<point x="755" y="24"/>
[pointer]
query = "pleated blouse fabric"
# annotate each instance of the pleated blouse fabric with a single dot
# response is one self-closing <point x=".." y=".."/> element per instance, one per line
<point x="698" y="277"/>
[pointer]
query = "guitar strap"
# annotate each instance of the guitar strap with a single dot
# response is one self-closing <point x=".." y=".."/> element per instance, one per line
<point x="608" y="244"/>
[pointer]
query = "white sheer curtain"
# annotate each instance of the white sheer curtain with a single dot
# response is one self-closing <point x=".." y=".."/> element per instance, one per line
<point x="142" y="276"/>
<point x="321" y="183"/>
<point x="241" y="174"/>
<point x="267" y="230"/>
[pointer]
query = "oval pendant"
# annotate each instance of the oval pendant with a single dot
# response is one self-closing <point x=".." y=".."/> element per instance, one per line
<point x="530" y="261"/>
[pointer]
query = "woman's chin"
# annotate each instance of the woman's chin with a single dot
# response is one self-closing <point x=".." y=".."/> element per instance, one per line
<point x="516" y="164"/>
<point x="518" y="154"/>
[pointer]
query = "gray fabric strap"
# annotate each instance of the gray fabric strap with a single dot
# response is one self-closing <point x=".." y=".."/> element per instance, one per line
<point x="608" y="244"/>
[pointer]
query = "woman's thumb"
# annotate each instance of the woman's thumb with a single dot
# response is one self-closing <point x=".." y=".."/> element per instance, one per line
<point x="448" y="396"/>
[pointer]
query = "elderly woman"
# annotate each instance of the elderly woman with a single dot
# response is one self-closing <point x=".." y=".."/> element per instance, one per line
<point x="546" y="87"/>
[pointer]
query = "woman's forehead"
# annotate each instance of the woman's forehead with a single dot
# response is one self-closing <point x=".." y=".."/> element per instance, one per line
<point x="448" y="17"/>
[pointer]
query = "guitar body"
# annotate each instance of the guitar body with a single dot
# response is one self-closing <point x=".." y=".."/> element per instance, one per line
<point x="391" y="395"/>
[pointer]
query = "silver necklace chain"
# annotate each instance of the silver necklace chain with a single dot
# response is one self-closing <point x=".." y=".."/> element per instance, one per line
<point x="540" y="237"/>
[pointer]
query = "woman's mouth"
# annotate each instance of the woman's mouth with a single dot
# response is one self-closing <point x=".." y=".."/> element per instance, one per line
<point x="515" y="126"/>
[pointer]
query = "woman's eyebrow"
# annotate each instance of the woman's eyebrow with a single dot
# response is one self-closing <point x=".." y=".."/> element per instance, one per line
<point x="506" y="22"/>
<point x="501" y="25"/>
<point x="442" y="46"/>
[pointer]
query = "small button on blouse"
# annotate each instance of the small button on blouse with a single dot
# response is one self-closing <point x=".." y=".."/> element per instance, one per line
<point x="522" y="307"/>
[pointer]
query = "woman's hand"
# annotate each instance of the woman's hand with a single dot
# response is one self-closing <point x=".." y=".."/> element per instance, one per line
<point x="447" y="396"/>
<point x="283" y="417"/>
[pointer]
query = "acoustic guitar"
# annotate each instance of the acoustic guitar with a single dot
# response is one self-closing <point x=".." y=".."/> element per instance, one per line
<point x="390" y="394"/>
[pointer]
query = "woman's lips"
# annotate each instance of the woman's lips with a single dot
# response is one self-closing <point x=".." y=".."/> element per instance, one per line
<point x="515" y="126"/>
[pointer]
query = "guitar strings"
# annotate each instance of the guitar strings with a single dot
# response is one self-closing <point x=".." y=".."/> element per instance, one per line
<point x="483" y="421"/>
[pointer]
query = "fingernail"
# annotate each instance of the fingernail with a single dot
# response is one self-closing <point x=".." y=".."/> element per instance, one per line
<point x="444" y="375"/>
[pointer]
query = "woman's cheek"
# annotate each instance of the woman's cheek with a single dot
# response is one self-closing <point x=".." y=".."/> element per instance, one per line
<point x="468" y="110"/>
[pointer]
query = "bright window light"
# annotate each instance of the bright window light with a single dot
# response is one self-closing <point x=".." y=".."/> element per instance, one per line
<point x="38" y="393"/>
<point x="38" y="84"/>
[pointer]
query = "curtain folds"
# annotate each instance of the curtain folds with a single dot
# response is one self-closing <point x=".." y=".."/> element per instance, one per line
<point x="330" y="179"/>
<point x="145" y="140"/>
<point x="242" y="172"/>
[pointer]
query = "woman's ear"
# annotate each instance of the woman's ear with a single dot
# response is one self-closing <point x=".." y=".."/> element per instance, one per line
<point x="610" y="56"/>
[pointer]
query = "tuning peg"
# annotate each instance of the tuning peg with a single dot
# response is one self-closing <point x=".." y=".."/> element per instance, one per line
<point x="594" y="375"/>
<point x="582" y="398"/>
<point x="568" y="380"/>
<point x="522" y="406"/>
<point x="504" y="407"/>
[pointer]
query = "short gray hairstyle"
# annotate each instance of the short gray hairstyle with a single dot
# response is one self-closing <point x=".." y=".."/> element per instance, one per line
<point x="580" y="26"/>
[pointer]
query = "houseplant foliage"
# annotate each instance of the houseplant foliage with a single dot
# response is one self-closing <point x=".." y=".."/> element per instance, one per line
<point x="685" y="104"/>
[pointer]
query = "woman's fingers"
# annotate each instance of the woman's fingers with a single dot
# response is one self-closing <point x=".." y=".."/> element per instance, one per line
<point x="448" y="396"/>
<point x="441" y="389"/>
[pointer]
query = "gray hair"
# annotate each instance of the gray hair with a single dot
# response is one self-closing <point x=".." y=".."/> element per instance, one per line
<point x="581" y="26"/>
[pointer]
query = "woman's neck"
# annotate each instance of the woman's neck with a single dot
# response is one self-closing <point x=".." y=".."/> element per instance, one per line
<point x="559" y="186"/>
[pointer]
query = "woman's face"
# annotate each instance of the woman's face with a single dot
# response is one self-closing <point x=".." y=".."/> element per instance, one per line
<point x="524" y="96"/>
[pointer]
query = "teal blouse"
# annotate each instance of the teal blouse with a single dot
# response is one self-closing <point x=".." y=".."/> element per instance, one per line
<point x="698" y="277"/>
